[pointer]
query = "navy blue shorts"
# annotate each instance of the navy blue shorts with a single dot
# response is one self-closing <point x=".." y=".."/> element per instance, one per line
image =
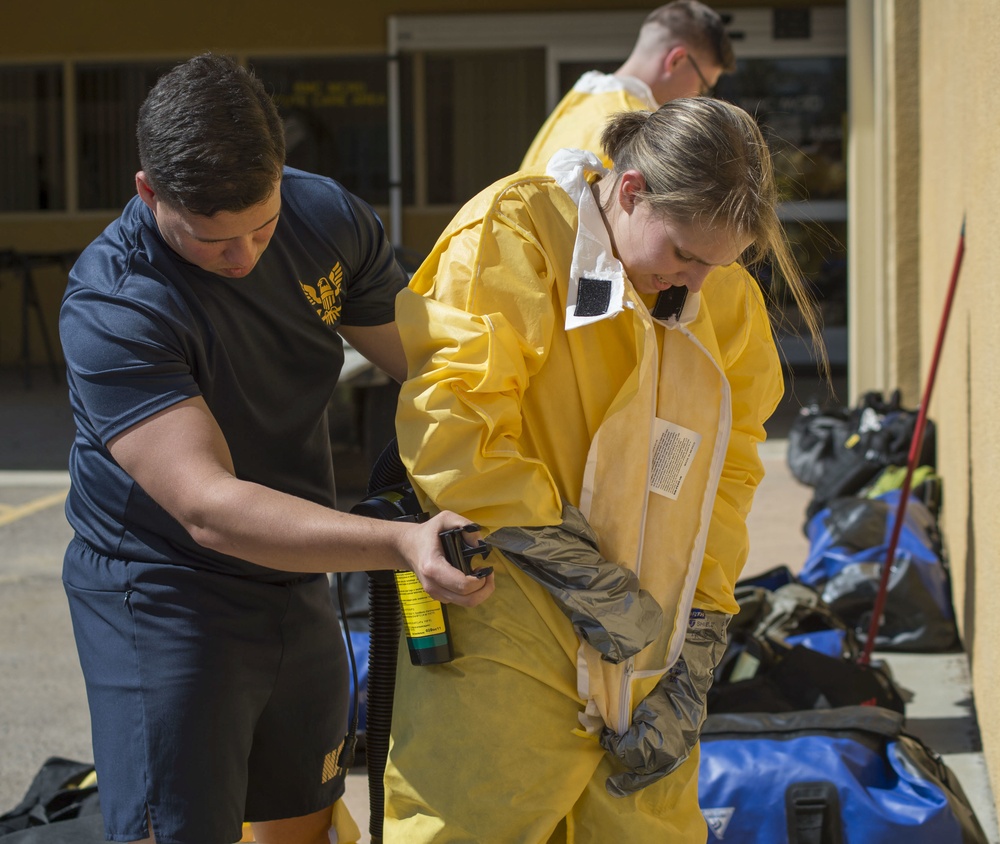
<point x="213" y="699"/>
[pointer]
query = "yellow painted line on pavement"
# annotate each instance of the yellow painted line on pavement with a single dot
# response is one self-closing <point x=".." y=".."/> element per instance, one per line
<point x="39" y="504"/>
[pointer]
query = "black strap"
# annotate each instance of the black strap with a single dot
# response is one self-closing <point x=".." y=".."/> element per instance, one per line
<point x="812" y="810"/>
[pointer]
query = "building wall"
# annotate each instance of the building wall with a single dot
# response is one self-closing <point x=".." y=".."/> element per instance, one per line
<point x="884" y="150"/>
<point x="902" y="155"/>
<point x="958" y="176"/>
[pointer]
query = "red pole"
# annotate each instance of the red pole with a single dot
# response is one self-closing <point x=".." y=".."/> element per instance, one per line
<point x="915" y="447"/>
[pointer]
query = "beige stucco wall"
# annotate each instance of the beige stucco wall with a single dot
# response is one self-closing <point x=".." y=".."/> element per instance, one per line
<point x="959" y="174"/>
<point x="884" y="158"/>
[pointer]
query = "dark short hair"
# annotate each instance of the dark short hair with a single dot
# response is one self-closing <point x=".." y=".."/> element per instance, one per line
<point x="210" y="137"/>
<point x="699" y="26"/>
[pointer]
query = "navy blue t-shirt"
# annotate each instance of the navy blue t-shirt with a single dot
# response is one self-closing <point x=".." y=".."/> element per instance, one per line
<point x="143" y="329"/>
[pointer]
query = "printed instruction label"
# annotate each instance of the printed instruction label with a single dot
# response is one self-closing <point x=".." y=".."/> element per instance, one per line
<point x="422" y="614"/>
<point x="673" y="450"/>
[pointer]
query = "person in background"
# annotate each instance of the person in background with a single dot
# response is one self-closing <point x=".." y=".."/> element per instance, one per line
<point x="569" y="391"/>
<point x="681" y="51"/>
<point x="202" y="334"/>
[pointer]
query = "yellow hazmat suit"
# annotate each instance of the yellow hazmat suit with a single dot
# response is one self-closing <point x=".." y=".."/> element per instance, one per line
<point x="515" y="402"/>
<point x="577" y="122"/>
<point x="579" y="118"/>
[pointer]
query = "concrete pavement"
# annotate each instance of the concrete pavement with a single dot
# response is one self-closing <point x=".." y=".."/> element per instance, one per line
<point x="43" y="707"/>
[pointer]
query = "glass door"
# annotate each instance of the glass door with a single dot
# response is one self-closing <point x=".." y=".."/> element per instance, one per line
<point x="801" y="105"/>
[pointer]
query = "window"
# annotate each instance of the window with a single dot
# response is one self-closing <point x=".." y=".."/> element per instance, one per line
<point x="482" y="112"/>
<point x="107" y="106"/>
<point x="335" y="112"/>
<point x="336" y="118"/>
<point x="800" y="103"/>
<point x="32" y="153"/>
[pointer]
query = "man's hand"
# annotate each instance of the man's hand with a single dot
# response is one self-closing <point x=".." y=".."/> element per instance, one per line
<point x="440" y="579"/>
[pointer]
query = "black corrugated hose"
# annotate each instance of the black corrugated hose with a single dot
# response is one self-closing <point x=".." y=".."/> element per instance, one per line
<point x="388" y="497"/>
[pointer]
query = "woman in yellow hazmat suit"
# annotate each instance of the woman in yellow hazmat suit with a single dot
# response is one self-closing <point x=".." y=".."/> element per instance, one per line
<point x="603" y="431"/>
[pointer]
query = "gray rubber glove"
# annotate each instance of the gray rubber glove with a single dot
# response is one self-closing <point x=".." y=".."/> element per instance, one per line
<point x="601" y="598"/>
<point x="667" y="723"/>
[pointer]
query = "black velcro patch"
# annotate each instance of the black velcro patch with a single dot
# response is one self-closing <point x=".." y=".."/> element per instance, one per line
<point x="593" y="296"/>
<point x="670" y="303"/>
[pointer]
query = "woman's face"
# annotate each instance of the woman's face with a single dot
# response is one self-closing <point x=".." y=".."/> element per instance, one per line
<point x="657" y="252"/>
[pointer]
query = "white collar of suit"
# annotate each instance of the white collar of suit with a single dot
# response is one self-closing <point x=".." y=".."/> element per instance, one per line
<point x="595" y="82"/>
<point x="597" y="284"/>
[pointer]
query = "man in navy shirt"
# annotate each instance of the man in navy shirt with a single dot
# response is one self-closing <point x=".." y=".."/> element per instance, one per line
<point x="202" y="332"/>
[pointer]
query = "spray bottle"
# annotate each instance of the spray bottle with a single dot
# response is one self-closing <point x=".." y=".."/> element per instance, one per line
<point x="425" y="619"/>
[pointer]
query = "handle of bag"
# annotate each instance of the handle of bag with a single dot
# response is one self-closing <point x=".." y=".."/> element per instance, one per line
<point x="812" y="810"/>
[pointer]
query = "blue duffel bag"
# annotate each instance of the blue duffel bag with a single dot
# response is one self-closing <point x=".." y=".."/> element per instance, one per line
<point x="837" y="776"/>
<point x="848" y="544"/>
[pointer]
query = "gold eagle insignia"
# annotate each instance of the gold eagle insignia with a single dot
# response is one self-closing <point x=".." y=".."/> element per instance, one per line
<point x="325" y="296"/>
